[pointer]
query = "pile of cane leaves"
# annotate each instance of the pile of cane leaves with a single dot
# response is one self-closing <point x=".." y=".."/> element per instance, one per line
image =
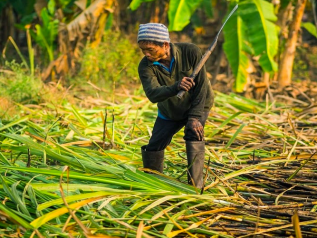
<point x="77" y="172"/>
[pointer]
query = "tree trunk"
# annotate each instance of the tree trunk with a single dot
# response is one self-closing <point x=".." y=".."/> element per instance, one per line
<point x="287" y="60"/>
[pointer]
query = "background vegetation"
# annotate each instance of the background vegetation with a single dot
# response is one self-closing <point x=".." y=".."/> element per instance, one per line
<point x="73" y="117"/>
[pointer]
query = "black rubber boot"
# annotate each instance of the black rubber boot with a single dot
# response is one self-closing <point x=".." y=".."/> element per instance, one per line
<point x="195" y="157"/>
<point x="153" y="159"/>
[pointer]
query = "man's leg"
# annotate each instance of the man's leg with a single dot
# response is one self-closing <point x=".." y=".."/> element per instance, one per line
<point x="195" y="150"/>
<point x="162" y="134"/>
<point x="189" y="134"/>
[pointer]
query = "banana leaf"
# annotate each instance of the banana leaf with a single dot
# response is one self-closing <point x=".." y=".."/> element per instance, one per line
<point x="136" y="3"/>
<point x="236" y="49"/>
<point x="263" y="33"/>
<point x="251" y="32"/>
<point x="179" y="13"/>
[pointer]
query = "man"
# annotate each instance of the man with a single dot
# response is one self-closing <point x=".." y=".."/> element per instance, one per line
<point x="164" y="71"/>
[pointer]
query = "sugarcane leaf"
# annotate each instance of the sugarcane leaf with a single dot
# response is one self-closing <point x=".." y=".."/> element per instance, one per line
<point x="169" y="227"/>
<point x="160" y="201"/>
<point x="78" y="197"/>
<point x="17" y="218"/>
<point x="71" y="187"/>
<point x="160" y="214"/>
<point x="228" y="120"/>
<point x="178" y="185"/>
<point x="14" y="195"/>
<point x="88" y="177"/>
<point x="136" y="206"/>
<point x="18" y="200"/>
<point x="81" y="119"/>
<point x="147" y="179"/>
<point x="23" y="119"/>
<point x="179" y="13"/>
<point x="7" y="189"/>
<point x="69" y="160"/>
<point x="4" y="159"/>
<point x="32" y="196"/>
<point x="76" y="130"/>
<point x="60" y="211"/>
<point x="194" y="225"/>
<point x="251" y="168"/>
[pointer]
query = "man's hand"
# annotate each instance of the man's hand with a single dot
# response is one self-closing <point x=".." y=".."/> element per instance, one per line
<point x="186" y="83"/>
<point x="194" y="125"/>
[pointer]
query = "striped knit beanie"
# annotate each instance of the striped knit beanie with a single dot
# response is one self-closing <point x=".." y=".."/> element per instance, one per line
<point x="153" y="32"/>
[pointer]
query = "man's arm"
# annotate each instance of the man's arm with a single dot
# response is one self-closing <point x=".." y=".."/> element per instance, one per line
<point x="198" y="98"/>
<point x="200" y="89"/>
<point x="153" y="90"/>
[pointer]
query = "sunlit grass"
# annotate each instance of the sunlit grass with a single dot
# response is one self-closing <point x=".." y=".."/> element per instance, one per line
<point x="63" y="175"/>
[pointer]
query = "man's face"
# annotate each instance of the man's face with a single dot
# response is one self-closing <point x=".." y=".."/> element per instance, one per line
<point x="153" y="52"/>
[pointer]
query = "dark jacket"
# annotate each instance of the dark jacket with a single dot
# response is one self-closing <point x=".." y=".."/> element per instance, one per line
<point x="160" y="86"/>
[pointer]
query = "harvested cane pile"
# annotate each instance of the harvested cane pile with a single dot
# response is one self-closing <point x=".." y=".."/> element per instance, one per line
<point x="274" y="199"/>
<point x="67" y="172"/>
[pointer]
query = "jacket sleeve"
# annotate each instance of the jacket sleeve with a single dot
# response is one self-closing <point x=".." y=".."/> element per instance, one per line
<point x="153" y="90"/>
<point x="199" y="91"/>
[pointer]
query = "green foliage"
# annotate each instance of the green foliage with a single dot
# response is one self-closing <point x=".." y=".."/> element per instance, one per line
<point x="263" y="33"/>
<point x="65" y="4"/>
<point x="116" y="59"/>
<point x="207" y="7"/>
<point x="21" y="7"/>
<point x="19" y="86"/>
<point x="46" y="33"/>
<point x="180" y="12"/>
<point x="251" y="32"/>
<point x="310" y="27"/>
<point x="136" y="3"/>
<point x="25" y="10"/>
<point x="237" y="49"/>
<point x="58" y="149"/>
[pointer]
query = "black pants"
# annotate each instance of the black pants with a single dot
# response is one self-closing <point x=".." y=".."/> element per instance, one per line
<point x="164" y="130"/>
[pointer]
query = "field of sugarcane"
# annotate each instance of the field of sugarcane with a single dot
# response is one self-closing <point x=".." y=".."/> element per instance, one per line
<point x="69" y="171"/>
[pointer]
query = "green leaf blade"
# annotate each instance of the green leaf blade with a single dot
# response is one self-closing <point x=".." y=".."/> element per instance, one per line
<point x="262" y="31"/>
<point x="135" y="4"/>
<point x="310" y="27"/>
<point x="235" y="50"/>
<point x="179" y="13"/>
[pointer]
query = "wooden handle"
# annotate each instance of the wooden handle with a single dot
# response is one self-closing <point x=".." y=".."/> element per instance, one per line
<point x="180" y="94"/>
